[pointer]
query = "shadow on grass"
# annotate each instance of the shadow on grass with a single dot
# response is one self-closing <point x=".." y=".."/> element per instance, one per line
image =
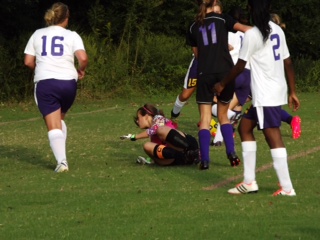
<point x="28" y="155"/>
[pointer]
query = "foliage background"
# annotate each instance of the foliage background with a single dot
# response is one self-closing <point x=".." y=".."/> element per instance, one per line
<point x="137" y="45"/>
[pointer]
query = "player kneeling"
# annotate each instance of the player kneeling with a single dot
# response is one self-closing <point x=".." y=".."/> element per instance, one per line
<point x="167" y="146"/>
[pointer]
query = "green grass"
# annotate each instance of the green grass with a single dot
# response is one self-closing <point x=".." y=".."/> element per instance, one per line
<point x="106" y="195"/>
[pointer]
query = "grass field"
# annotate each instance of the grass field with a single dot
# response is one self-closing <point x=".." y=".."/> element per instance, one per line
<point x="106" y="195"/>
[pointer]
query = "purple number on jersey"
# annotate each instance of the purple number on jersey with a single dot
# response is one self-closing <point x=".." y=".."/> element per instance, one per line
<point x="56" y="48"/>
<point x="212" y="29"/>
<point x="276" y="46"/>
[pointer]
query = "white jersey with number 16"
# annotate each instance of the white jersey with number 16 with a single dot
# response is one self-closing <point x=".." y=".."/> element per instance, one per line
<point x="54" y="49"/>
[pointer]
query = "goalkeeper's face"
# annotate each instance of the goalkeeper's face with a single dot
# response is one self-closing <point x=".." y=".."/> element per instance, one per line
<point x="144" y="122"/>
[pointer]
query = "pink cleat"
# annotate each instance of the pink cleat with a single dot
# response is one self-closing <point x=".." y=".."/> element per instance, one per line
<point x="296" y="127"/>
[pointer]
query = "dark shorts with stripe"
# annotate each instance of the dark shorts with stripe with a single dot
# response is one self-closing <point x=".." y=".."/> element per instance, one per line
<point x="52" y="94"/>
<point x="190" y="80"/>
<point x="271" y="116"/>
<point x="205" y="86"/>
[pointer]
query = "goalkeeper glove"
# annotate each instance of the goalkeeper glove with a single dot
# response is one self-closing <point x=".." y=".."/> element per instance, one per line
<point x="132" y="137"/>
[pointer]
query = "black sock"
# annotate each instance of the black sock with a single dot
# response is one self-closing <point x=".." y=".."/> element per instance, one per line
<point x="177" y="140"/>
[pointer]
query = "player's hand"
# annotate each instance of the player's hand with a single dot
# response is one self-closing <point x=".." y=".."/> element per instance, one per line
<point x="80" y="74"/>
<point x="218" y="88"/>
<point x="132" y="137"/>
<point x="294" y="102"/>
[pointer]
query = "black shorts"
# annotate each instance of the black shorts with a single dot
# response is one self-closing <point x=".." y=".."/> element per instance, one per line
<point x="205" y="91"/>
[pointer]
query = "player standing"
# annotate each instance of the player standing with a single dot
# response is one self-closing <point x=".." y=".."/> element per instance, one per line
<point x="266" y="48"/>
<point x="208" y="36"/>
<point x="50" y="52"/>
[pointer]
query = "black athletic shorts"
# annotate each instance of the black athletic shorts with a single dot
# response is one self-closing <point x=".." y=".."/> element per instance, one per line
<point x="205" y="86"/>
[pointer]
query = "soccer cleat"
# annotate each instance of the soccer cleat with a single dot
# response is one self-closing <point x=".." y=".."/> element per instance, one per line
<point x="204" y="165"/>
<point x="296" y="127"/>
<point x="243" y="188"/>
<point x="281" y="192"/>
<point x="142" y="160"/>
<point x="215" y="144"/>
<point x="234" y="159"/>
<point x="192" y="156"/>
<point x="235" y="119"/>
<point x="62" y="167"/>
<point x="174" y="115"/>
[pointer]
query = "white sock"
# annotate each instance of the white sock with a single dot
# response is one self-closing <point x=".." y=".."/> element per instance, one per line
<point x="178" y="105"/>
<point x="214" y="110"/>
<point x="64" y="129"/>
<point x="218" y="137"/>
<point x="280" y="164"/>
<point x="57" y="144"/>
<point x="249" y="155"/>
<point x="230" y="113"/>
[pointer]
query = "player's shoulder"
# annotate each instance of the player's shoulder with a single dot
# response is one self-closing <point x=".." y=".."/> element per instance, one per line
<point x="276" y="29"/>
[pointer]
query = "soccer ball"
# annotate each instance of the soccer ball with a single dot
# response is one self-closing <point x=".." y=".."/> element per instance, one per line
<point x="213" y="127"/>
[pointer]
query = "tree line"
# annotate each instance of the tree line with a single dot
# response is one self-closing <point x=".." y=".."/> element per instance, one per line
<point x="137" y="32"/>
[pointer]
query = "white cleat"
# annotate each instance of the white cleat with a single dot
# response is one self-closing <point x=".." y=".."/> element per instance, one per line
<point x="62" y="167"/>
<point x="281" y="192"/>
<point x="243" y="188"/>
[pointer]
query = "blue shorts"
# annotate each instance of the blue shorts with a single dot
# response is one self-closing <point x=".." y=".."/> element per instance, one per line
<point x="270" y="117"/>
<point x="242" y="86"/>
<point x="53" y="94"/>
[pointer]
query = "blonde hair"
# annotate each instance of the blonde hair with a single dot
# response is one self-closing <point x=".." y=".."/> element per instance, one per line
<point x="277" y="20"/>
<point x="56" y="14"/>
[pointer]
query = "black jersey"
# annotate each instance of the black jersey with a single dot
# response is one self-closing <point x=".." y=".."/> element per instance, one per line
<point x="211" y="39"/>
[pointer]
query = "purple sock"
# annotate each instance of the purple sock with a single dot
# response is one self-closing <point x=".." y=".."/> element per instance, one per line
<point x="227" y="133"/>
<point x="286" y="117"/>
<point x="204" y="142"/>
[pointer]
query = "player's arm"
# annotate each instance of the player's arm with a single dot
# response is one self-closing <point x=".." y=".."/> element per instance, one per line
<point x="195" y="52"/>
<point x="30" y="61"/>
<point x="235" y="71"/>
<point x="141" y="135"/>
<point x="293" y="100"/>
<point x="134" y="137"/>
<point x="241" y="27"/>
<point x="82" y="58"/>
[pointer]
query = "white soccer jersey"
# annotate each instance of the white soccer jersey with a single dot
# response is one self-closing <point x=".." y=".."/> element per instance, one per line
<point x="268" y="82"/>
<point x="54" y="48"/>
<point x="235" y="40"/>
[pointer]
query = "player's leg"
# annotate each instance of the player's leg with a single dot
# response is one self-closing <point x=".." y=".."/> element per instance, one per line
<point x="204" y="134"/>
<point x="190" y="83"/>
<point x="249" y="150"/>
<point x="181" y="100"/>
<point x="163" y="155"/>
<point x="272" y="133"/>
<point x="57" y="139"/>
<point x="294" y="122"/>
<point x="54" y="98"/>
<point x="224" y="99"/>
<point x="174" y="137"/>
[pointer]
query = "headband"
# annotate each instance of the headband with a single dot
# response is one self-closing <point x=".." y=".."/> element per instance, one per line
<point x="148" y="111"/>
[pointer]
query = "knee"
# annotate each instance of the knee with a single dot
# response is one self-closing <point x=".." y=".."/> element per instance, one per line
<point x="148" y="147"/>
